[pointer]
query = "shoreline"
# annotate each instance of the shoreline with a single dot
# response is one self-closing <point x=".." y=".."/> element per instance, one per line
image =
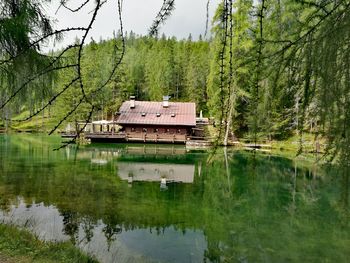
<point x="19" y="245"/>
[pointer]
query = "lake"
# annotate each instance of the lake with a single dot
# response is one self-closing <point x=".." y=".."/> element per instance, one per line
<point x="163" y="203"/>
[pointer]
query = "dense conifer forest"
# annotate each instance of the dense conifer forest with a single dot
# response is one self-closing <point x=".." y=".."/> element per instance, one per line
<point x="267" y="71"/>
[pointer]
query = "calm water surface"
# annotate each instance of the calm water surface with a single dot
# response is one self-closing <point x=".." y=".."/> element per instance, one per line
<point x="135" y="203"/>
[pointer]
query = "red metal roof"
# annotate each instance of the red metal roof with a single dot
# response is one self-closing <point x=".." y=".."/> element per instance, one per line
<point x="185" y="113"/>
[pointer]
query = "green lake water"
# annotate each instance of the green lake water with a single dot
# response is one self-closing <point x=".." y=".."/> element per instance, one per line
<point x="162" y="203"/>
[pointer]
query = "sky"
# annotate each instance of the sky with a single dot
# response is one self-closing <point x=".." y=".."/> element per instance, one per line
<point x="188" y="17"/>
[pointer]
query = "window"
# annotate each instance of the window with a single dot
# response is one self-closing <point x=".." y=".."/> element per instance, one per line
<point x="173" y="115"/>
<point x="143" y="114"/>
<point x="158" y="114"/>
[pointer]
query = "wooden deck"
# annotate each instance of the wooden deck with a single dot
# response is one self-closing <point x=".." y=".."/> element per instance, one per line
<point x="68" y="135"/>
<point x="156" y="138"/>
<point x="105" y="135"/>
<point x="133" y="137"/>
<point x="198" y="144"/>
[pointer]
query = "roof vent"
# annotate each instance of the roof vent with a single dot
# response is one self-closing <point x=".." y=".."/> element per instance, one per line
<point x="132" y="102"/>
<point x="173" y="115"/>
<point x="166" y="101"/>
<point x="143" y="114"/>
<point x="158" y="114"/>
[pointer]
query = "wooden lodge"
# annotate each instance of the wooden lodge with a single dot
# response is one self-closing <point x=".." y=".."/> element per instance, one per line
<point x="145" y="121"/>
<point x="151" y="121"/>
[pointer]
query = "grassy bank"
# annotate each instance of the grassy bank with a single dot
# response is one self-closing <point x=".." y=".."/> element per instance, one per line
<point x="21" y="246"/>
<point x="39" y="123"/>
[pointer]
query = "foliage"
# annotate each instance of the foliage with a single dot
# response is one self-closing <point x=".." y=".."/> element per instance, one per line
<point x="271" y="69"/>
<point x="150" y="69"/>
<point x="20" y="23"/>
<point x="21" y="246"/>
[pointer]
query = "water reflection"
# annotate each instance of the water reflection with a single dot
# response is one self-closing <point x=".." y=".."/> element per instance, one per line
<point x="105" y="153"/>
<point x="156" y="172"/>
<point x="237" y="207"/>
<point x="108" y="243"/>
<point x="45" y="221"/>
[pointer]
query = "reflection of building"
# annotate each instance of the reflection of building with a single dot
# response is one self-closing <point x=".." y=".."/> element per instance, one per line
<point x="102" y="155"/>
<point x="156" y="172"/>
<point x="99" y="156"/>
<point x="164" y="150"/>
<point x="151" y="121"/>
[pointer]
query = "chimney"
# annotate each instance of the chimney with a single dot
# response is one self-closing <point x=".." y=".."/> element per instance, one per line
<point x="132" y="102"/>
<point x="166" y="101"/>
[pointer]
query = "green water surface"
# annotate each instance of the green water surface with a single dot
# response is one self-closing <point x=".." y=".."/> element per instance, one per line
<point x="108" y="199"/>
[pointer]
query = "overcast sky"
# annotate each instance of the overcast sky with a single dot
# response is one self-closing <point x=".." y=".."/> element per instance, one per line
<point x="189" y="17"/>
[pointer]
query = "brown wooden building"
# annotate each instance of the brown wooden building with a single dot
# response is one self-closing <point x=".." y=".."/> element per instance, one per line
<point x="150" y="121"/>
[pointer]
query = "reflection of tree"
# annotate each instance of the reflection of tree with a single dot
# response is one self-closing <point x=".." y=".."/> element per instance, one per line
<point x="292" y="206"/>
<point x="88" y="227"/>
<point x="254" y="222"/>
<point x="243" y="217"/>
<point x="110" y="232"/>
<point x="4" y="203"/>
<point x="343" y="204"/>
<point x="345" y="189"/>
<point x="228" y="172"/>
<point x="71" y="225"/>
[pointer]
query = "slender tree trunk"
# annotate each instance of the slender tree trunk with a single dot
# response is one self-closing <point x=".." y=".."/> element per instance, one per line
<point x="297" y="115"/>
<point x="227" y="170"/>
<point x="229" y="118"/>
<point x="8" y="118"/>
<point x="43" y="115"/>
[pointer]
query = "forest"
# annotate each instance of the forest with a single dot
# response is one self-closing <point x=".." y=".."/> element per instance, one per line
<point x="271" y="76"/>
<point x="267" y="71"/>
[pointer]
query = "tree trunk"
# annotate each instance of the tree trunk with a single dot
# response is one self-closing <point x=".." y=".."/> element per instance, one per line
<point x="229" y="118"/>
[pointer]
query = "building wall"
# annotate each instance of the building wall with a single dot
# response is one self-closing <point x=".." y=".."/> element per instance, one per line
<point x="156" y="130"/>
<point x="156" y="133"/>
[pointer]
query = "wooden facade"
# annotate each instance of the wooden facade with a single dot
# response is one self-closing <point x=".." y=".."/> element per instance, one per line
<point x="155" y="133"/>
<point x="145" y="121"/>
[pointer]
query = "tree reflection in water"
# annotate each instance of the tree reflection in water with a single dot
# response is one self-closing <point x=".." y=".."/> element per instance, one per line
<point x="238" y="207"/>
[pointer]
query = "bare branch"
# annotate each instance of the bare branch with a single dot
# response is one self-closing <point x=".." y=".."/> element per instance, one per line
<point x="118" y="62"/>
<point x="42" y="38"/>
<point x="81" y="45"/>
<point x="207" y="19"/>
<point x="50" y="101"/>
<point x="46" y="70"/>
<point x="73" y="140"/>
<point x="63" y="3"/>
<point x="67" y="115"/>
<point x="164" y="13"/>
